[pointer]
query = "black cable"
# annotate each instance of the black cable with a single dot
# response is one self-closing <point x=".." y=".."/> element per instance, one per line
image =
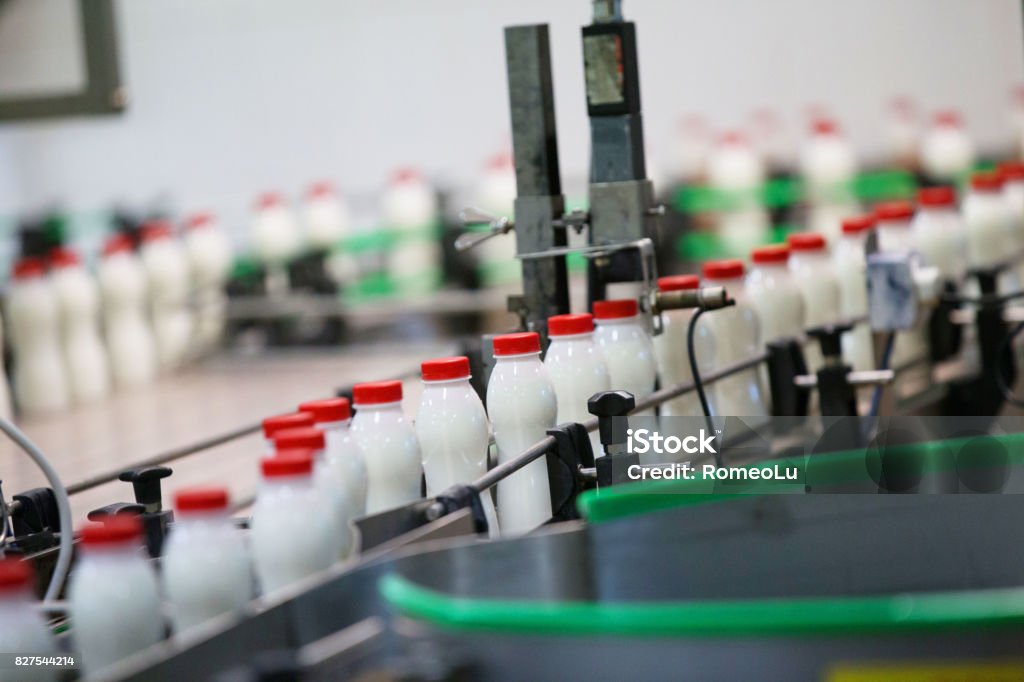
<point x="698" y="384"/>
<point x="876" y="396"/>
<point x="1005" y="388"/>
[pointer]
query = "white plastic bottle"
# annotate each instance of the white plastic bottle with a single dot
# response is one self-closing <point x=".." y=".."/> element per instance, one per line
<point x="389" y="445"/>
<point x="129" y="336"/>
<point x="576" y="368"/>
<point x="291" y="536"/>
<point x="205" y="567"/>
<point x="626" y="347"/>
<point x="333" y="416"/>
<point x="451" y="425"/>
<point x="22" y="628"/>
<point x="988" y="221"/>
<point x="903" y="133"/>
<point x="168" y="288"/>
<point x="328" y="219"/>
<point x="409" y="208"/>
<point x="78" y="300"/>
<point x="773" y="294"/>
<point x="947" y="153"/>
<point x="40" y="378"/>
<point x="938" y="231"/>
<point x="850" y="260"/>
<point x="670" y="349"/>
<point x="811" y="266"/>
<point x="328" y="482"/>
<point x="210" y="255"/>
<point x="496" y="194"/>
<point x="522" y="406"/>
<point x="736" y="170"/>
<point x="828" y="165"/>
<point x="692" y="148"/>
<point x="275" y="232"/>
<point x="733" y="334"/>
<point x="113" y="595"/>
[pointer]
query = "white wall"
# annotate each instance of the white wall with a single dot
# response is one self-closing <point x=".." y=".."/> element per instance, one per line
<point x="230" y="97"/>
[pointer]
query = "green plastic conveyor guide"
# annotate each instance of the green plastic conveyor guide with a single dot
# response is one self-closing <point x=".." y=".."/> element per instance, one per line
<point x="986" y="610"/>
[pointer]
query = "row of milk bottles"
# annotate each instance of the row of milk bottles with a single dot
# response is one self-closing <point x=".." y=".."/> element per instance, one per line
<point x="408" y="208"/>
<point x="76" y="334"/>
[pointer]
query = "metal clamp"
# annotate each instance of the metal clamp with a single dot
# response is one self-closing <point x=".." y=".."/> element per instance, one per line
<point x="497" y="225"/>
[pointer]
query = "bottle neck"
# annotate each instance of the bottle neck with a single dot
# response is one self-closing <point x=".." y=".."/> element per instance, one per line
<point x="340" y="425"/>
<point x="520" y="357"/>
<point x="446" y="383"/>
<point x="617" y="321"/>
<point x="585" y="336"/>
<point x="379" y="407"/>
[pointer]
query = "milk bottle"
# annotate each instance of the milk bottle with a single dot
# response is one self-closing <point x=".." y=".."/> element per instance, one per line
<point x="947" y="153"/>
<point x="829" y="167"/>
<point x="850" y="260"/>
<point x="292" y="532"/>
<point x="988" y="221"/>
<point x="735" y="169"/>
<point x="733" y="334"/>
<point x="451" y="426"/>
<point x="1012" y="173"/>
<point x="327" y="480"/>
<point x="113" y="596"/>
<point x="522" y="406"/>
<point x="774" y="295"/>
<point x="40" y="379"/>
<point x="626" y="347"/>
<point x="328" y="219"/>
<point x="333" y="416"/>
<point x="22" y="628"/>
<point x="812" y="270"/>
<point x="205" y="568"/>
<point x="210" y="254"/>
<point x="670" y="349"/>
<point x="938" y="231"/>
<point x="129" y="338"/>
<point x="78" y="300"/>
<point x="388" y="443"/>
<point x="409" y="209"/>
<point x="168" y="287"/>
<point x="576" y="368"/>
<point x="275" y="234"/>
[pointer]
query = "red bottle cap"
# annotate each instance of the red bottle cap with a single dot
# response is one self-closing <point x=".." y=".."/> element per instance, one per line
<point x="15" y="575"/>
<point x="199" y="220"/>
<point x="445" y="369"/>
<point x="571" y="324"/>
<point x="516" y="344"/>
<point x="320" y="189"/>
<point x="987" y="181"/>
<point x="806" y="241"/>
<point x="28" y="268"/>
<point x="678" y="282"/>
<point x="119" y="529"/>
<point x="894" y="210"/>
<point x="155" y="230"/>
<point x="377" y="393"/>
<point x="615" y="309"/>
<point x="299" y="439"/>
<point x="723" y="269"/>
<point x="288" y="463"/>
<point x="292" y="420"/>
<point x="856" y="224"/>
<point x="328" y="410"/>
<point x="773" y="253"/>
<point x="201" y="500"/>
<point x="118" y="243"/>
<point x="268" y="200"/>
<point x="936" y="196"/>
<point x="64" y="257"/>
<point x="1012" y="170"/>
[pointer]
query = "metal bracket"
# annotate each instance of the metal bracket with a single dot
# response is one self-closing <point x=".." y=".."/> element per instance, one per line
<point x="572" y="453"/>
<point x="460" y="497"/>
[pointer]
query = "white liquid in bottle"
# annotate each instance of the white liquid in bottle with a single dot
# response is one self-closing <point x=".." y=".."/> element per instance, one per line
<point x="989" y="223"/>
<point x="671" y="352"/>
<point x="627" y="348"/>
<point x="40" y="380"/>
<point x="1012" y="173"/>
<point x="205" y="567"/>
<point x="292" y="534"/>
<point x="210" y="255"/>
<point x="939" y="233"/>
<point x="947" y="152"/>
<point x="522" y="406"/>
<point x="327" y="217"/>
<point x="812" y="270"/>
<point x="850" y="258"/>
<point x="774" y="295"/>
<point x="168" y="287"/>
<point x="576" y="368"/>
<point x="736" y="169"/>
<point x="129" y="337"/>
<point x="389" y="445"/>
<point x="409" y="207"/>
<point x="732" y="334"/>
<point x="342" y="454"/>
<point x="78" y="300"/>
<point x="275" y="232"/>
<point x="113" y="596"/>
<point x="337" y="508"/>
<point x="22" y="628"/>
<point x="451" y="426"/>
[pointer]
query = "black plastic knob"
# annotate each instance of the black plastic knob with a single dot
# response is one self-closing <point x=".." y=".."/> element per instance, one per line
<point x="146" y="485"/>
<point x="607" y="405"/>
<point x="133" y="508"/>
<point x="829" y="337"/>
